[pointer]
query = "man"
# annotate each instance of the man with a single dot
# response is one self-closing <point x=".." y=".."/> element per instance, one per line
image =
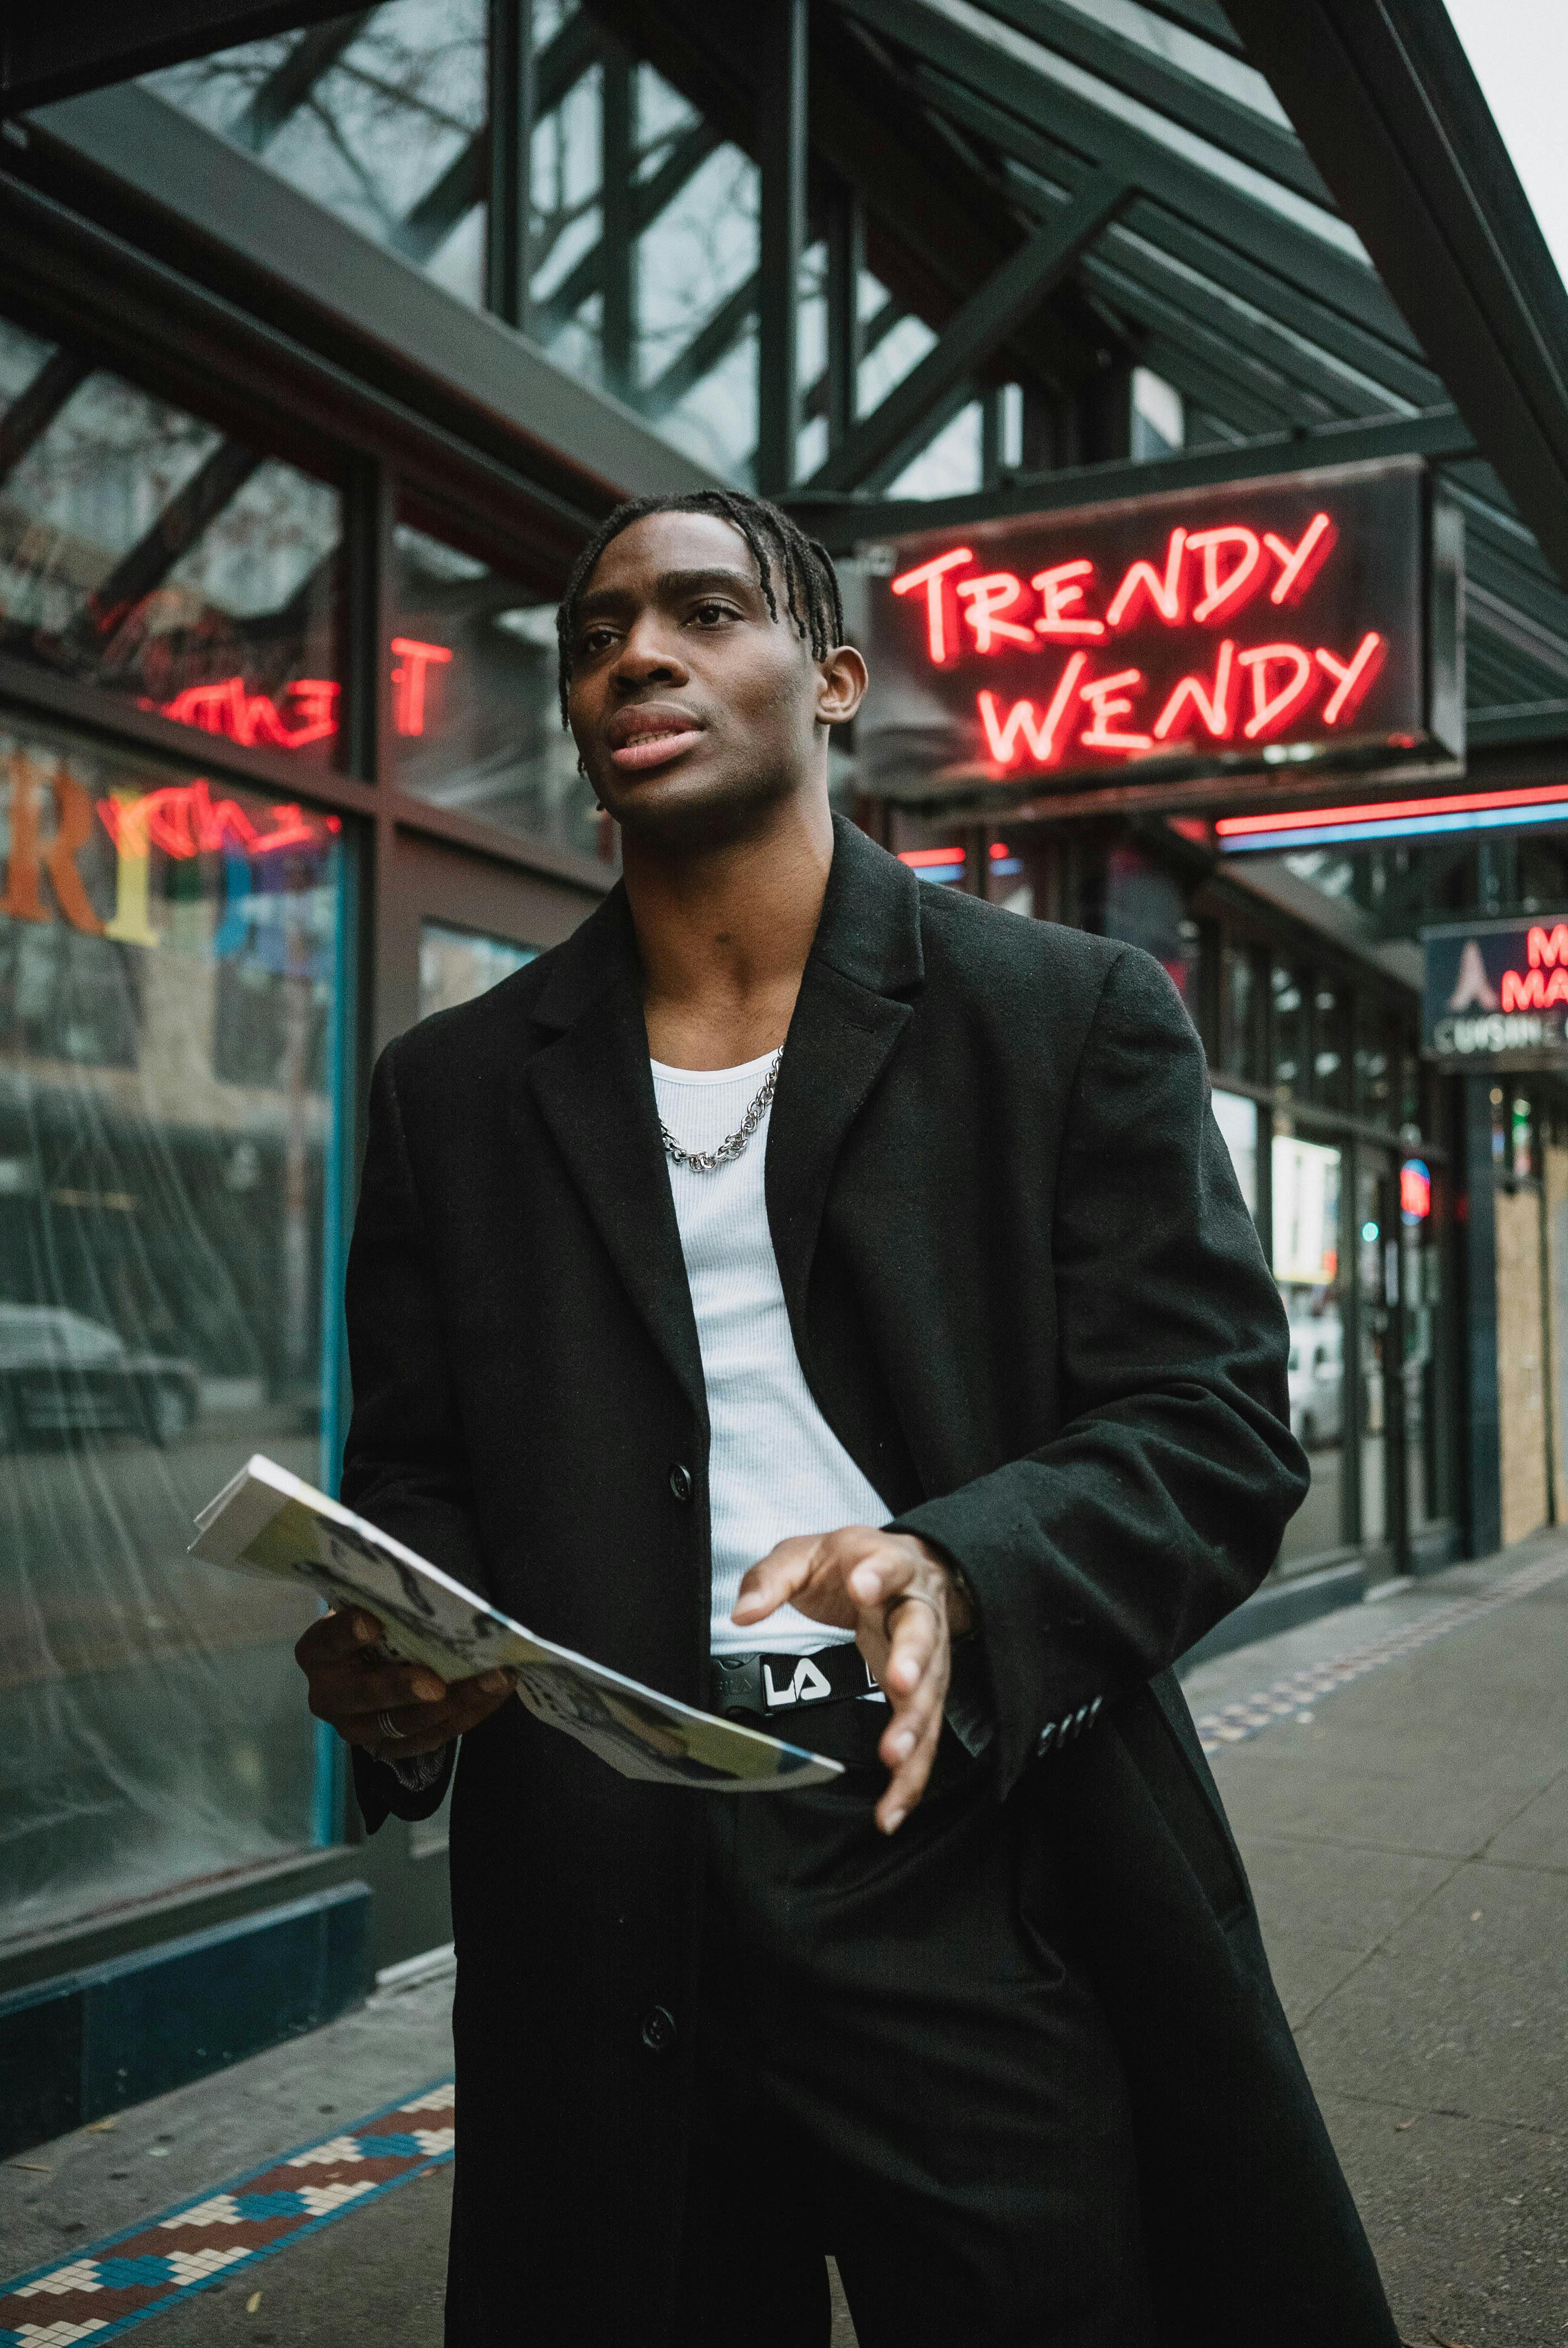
<point x="804" y="1264"/>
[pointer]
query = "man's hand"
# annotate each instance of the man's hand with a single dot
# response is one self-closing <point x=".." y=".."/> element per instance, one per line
<point x="899" y="1598"/>
<point x="392" y="1709"/>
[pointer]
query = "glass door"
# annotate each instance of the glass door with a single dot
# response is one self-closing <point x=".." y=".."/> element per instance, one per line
<point x="449" y="925"/>
<point x="1380" y="1411"/>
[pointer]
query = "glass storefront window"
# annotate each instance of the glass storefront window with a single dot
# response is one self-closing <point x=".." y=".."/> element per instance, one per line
<point x="1306" y="1183"/>
<point x="1238" y="1120"/>
<point x="1377" y="1062"/>
<point x="455" y="964"/>
<point x="1239" y="1006"/>
<point x="476" y="717"/>
<point x="1421" y="1297"/>
<point x="143" y="552"/>
<point x="1373" y="1242"/>
<point x="1330" y="1045"/>
<point x="379" y="116"/>
<point x="171" y="1024"/>
<point x="1288" y="999"/>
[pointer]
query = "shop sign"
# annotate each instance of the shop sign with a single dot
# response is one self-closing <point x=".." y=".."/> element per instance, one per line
<point x="1496" y="992"/>
<point x="1236" y="628"/>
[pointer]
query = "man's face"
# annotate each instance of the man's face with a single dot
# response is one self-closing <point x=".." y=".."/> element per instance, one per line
<point x="695" y="711"/>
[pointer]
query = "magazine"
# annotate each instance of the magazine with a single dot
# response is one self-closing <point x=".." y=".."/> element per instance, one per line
<point x="267" y="1521"/>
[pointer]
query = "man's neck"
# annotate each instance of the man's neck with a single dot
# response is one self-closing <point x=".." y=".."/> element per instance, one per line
<point x="724" y="936"/>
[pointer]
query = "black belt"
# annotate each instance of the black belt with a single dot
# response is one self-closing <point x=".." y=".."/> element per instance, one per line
<point x="765" y="1685"/>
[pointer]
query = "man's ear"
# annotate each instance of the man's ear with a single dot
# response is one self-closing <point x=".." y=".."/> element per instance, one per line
<point x="841" y="686"/>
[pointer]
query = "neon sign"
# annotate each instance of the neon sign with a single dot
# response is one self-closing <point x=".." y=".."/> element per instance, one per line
<point x="305" y="709"/>
<point x="1498" y="991"/>
<point x="1415" y="1191"/>
<point x="1223" y="628"/>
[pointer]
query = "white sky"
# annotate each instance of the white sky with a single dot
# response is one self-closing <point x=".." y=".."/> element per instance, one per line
<point x="1518" y="49"/>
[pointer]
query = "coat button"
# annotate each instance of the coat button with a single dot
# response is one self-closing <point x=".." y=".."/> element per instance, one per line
<point x="680" y="1481"/>
<point x="658" y="2030"/>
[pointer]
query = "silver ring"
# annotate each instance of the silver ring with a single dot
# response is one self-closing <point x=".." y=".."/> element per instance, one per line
<point x="905" y="1598"/>
<point x="388" y="1726"/>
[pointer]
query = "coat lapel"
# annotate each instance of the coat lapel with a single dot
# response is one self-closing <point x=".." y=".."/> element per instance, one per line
<point x="595" y="1092"/>
<point x="849" y="1016"/>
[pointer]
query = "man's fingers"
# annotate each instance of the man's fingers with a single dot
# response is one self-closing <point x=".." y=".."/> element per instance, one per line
<point x="425" y="1728"/>
<point x="914" y="1636"/>
<point x="907" y="1782"/>
<point x="342" y="1691"/>
<point x="774" y="1580"/>
<point x="332" y="1637"/>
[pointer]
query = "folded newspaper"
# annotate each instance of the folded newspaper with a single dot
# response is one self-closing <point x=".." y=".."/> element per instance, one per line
<point x="266" y="1521"/>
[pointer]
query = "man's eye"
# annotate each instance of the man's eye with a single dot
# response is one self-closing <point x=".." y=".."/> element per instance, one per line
<point x="710" y="615"/>
<point x="594" y="640"/>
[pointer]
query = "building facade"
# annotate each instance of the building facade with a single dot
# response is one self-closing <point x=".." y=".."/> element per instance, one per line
<point x="320" y="355"/>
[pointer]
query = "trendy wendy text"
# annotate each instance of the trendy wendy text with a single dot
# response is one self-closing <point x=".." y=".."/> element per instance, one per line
<point x="1094" y="698"/>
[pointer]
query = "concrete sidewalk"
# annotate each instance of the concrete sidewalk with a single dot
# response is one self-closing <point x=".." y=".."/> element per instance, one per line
<point x="1407" y="1832"/>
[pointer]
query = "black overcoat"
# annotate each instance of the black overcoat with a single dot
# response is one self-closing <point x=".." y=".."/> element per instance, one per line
<point x="1029" y="1300"/>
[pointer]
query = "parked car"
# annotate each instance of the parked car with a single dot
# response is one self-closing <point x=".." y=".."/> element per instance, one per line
<point x="61" y="1373"/>
<point x="1317" y="1382"/>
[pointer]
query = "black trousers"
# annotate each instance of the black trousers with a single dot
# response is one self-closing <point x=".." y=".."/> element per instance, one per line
<point x="899" y="2065"/>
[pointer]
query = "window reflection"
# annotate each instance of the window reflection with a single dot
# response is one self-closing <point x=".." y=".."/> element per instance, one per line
<point x="1307" y="1183"/>
<point x="454" y="965"/>
<point x="476" y="718"/>
<point x="143" y="552"/>
<point x="380" y="116"/>
<point x="170" y="958"/>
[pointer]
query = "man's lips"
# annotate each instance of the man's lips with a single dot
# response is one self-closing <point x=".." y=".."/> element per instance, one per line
<point x="650" y="737"/>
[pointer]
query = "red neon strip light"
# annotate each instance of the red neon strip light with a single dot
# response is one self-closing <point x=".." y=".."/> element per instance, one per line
<point x="1168" y="595"/>
<point x="1223" y="595"/>
<point x="1305" y="818"/>
<point x="1353" y="676"/>
<point x="931" y="576"/>
<point x="1061" y="588"/>
<point x="1299" y="564"/>
<point x="1216" y="710"/>
<point x="920" y="858"/>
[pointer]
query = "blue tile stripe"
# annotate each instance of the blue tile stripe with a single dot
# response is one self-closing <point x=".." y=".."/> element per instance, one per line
<point x="106" y="2287"/>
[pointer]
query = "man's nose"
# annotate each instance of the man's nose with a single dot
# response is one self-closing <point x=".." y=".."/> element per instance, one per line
<point x="647" y="656"/>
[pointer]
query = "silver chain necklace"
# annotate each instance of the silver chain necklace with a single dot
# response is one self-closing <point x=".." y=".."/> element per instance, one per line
<point x="708" y="1161"/>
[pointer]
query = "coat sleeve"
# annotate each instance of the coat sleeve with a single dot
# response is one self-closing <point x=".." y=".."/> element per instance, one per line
<point x="405" y="1464"/>
<point x="1158" y="1504"/>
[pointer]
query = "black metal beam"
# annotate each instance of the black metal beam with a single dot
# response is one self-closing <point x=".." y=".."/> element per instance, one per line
<point x="275" y="100"/>
<point x="846" y="339"/>
<point x="616" y="209"/>
<point x="1128" y="65"/>
<point x="1385" y="101"/>
<point x="649" y="198"/>
<point x="35" y="407"/>
<point x="714" y="341"/>
<point x="510" y="108"/>
<point x="986" y="321"/>
<point x="1313" y="264"/>
<point x="51" y="53"/>
<point x="1206" y="18"/>
<point x="462" y="185"/>
<point x="842" y="522"/>
<point x="781" y="149"/>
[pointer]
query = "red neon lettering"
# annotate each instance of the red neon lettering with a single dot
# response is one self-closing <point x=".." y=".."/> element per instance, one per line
<point x="408" y="681"/>
<point x="1354" y="676"/>
<point x="1300" y="564"/>
<point x="183" y="819"/>
<point x="225" y="707"/>
<point x="1216" y="710"/>
<point x="1105" y="696"/>
<point x="1548" y="948"/>
<point x="1226" y="594"/>
<point x="1272" y="712"/>
<point x="1044" y="734"/>
<point x="984" y="600"/>
<point x="1059" y="589"/>
<point x="1530" y="991"/>
<point x="1168" y="595"/>
<point x="932" y="577"/>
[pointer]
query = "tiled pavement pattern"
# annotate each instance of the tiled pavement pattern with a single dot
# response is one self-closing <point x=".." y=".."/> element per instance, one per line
<point x="1408" y="1847"/>
<point x="1294" y="1697"/>
<point x="140" y="2272"/>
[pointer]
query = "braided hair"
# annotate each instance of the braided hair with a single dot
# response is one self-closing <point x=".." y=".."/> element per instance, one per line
<point x="805" y="568"/>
